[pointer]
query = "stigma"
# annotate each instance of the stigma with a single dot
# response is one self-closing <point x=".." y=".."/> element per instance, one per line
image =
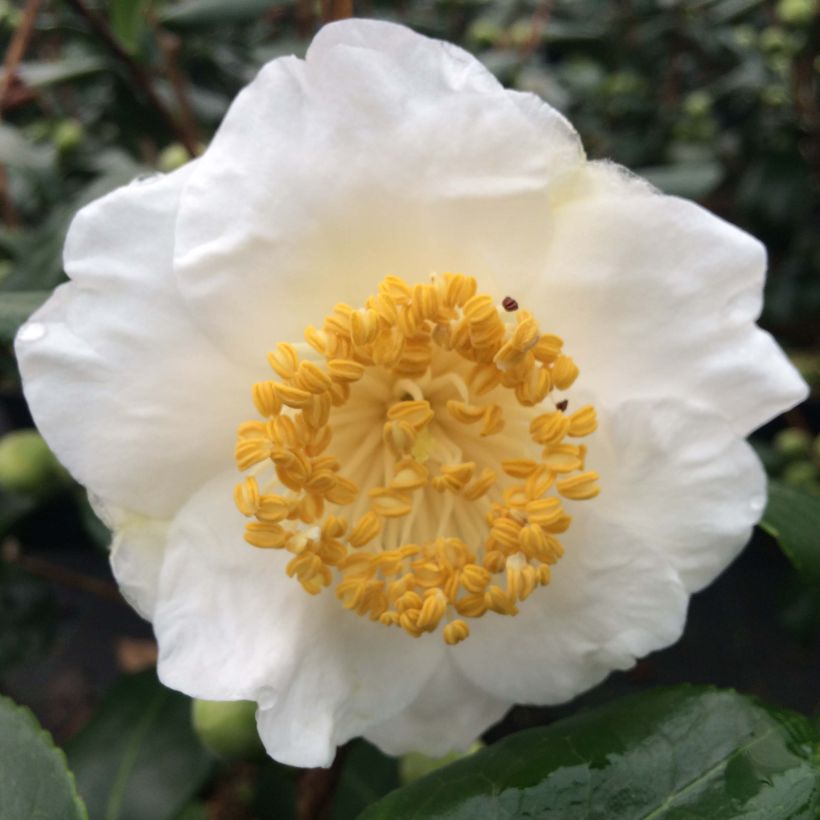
<point x="414" y="454"/>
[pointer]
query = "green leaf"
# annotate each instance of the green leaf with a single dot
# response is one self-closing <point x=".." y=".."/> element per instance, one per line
<point x="128" y="19"/>
<point x="35" y="783"/>
<point x="138" y="757"/>
<point x="36" y="74"/>
<point x="687" y="752"/>
<point x="16" y="307"/>
<point x="367" y="775"/>
<point x="196" y="13"/>
<point x="19" y="152"/>
<point x="792" y="517"/>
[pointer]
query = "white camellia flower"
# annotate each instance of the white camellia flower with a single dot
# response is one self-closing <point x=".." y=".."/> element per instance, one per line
<point x="415" y="300"/>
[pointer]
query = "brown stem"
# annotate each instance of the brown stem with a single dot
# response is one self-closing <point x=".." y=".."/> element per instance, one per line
<point x="60" y="576"/>
<point x="17" y="48"/>
<point x="336" y="10"/>
<point x="138" y="76"/>
<point x="315" y="789"/>
<point x="171" y="45"/>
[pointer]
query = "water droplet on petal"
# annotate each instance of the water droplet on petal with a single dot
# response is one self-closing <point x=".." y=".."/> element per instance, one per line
<point x="31" y="332"/>
<point x="757" y="503"/>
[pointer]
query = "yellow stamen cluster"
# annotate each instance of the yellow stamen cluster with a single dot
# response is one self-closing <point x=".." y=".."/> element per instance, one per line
<point x="398" y="332"/>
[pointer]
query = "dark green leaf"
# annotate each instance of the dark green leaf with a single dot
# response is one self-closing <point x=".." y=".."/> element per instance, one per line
<point x="16" y="307"/>
<point x="793" y="518"/>
<point x="35" y="783"/>
<point x="128" y="19"/>
<point x="686" y="752"/>
<point x="42" y="74"/>
<point x="28" y="614"/>
<point x="367" y="775"/>
<point x="139" y="757"/>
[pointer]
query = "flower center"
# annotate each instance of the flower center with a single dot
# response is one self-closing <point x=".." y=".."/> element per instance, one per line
<point x="442" y="499"/>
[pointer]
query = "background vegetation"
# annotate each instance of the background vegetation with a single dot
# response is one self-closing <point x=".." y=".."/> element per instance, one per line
<point x="716" y="100"/>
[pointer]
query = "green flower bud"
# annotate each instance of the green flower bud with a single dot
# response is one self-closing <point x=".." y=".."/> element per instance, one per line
<point x="68" y="135"/>
<point x="227" y="727"/>
<point x="801" y="474"/>
<point x="171" y="157"/>
<point x="27" y="465"/>
<point x="793" y="443"/>
<point x="414" y="765"/>
<point x="796" y="12"/>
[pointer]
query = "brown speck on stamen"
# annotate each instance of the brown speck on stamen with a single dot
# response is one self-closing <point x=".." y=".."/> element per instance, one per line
<point x="562" y="405"/>
<point x="509" y="304"/>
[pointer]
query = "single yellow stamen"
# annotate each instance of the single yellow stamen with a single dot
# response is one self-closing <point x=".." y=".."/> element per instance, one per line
<point x="416" y="360"/>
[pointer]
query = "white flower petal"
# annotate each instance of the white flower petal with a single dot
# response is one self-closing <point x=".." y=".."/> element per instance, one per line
<point x="447" y="716"/>
<point x="298" y="204"/>
<point x="231" y="625"/>
<point x="611" y="599"/>
<point x="132" y="398"/>
<point x="656" y="297"/>
<point x="681" y="480"/>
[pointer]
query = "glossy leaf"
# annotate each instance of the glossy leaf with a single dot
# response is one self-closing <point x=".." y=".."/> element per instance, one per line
<point x="35" y="782"/>
<point x="196" y="13"/>
<point x="686" y="752"/>
<point x="367" y="775"/>
<point x="139" y="757"/>
<point x="793" y="518"/>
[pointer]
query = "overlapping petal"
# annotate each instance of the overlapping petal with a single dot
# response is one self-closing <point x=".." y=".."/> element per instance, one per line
<point x="297" y="204"/>
<point x="131" y="396"/>
<point x="231" y="626"/>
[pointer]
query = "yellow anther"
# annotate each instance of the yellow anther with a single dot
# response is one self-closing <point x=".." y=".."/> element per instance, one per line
<point x="564" y="372"/>
<point x="396" y="289"/>
<point x="272" y="508"/>
<point x="284" y="360"/>
<point x="447" y="336"/>
<point x="408" y="475"/>
<point x="455" y="632"/>
<point x="292" y="396"/>
<point x="343" y="493"/>
<point x="583" y="422"/>
<point x="465" y="413"/>
<point x="364" y="326"/>
<point x="389" y="503"/>
<point x="265" y="399"/>
<point x="265" y="536"/>
<point x="251" y="451"/>
<point x="548" y="348"/>
<point x="432" y="610"/>
<point x="246" y="496"/>
<point x="312" y="378"/>
<point x="564" y="458"/>
<point x="415" y="413"/>
<point x="399" y="436"/>
<point x="493" y="420"/>
<point x="365" y="530"/>
<point x="544" y="511"/>
<point x="475" y="578"/>
<point x="579" y="487"/>
<point x="345" y="370"/>
<point x="500" y="601"/>
<point x="549" y="428"/>
<point x="519" y="467"/>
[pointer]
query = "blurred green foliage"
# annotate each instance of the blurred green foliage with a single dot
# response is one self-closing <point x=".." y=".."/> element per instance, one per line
<point x="716" y="100"/>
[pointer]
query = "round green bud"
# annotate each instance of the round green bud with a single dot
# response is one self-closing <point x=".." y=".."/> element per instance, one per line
<point x="27" y="465"/>
<point x="68" y="135"/>
<point x="796" y="12"/>
<point x="414" y="765"/>
<point x="801" y="474"/>
<point x="793" y="443"/>
<point x="227" y="727"/>
<point x="171" y="157"/>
